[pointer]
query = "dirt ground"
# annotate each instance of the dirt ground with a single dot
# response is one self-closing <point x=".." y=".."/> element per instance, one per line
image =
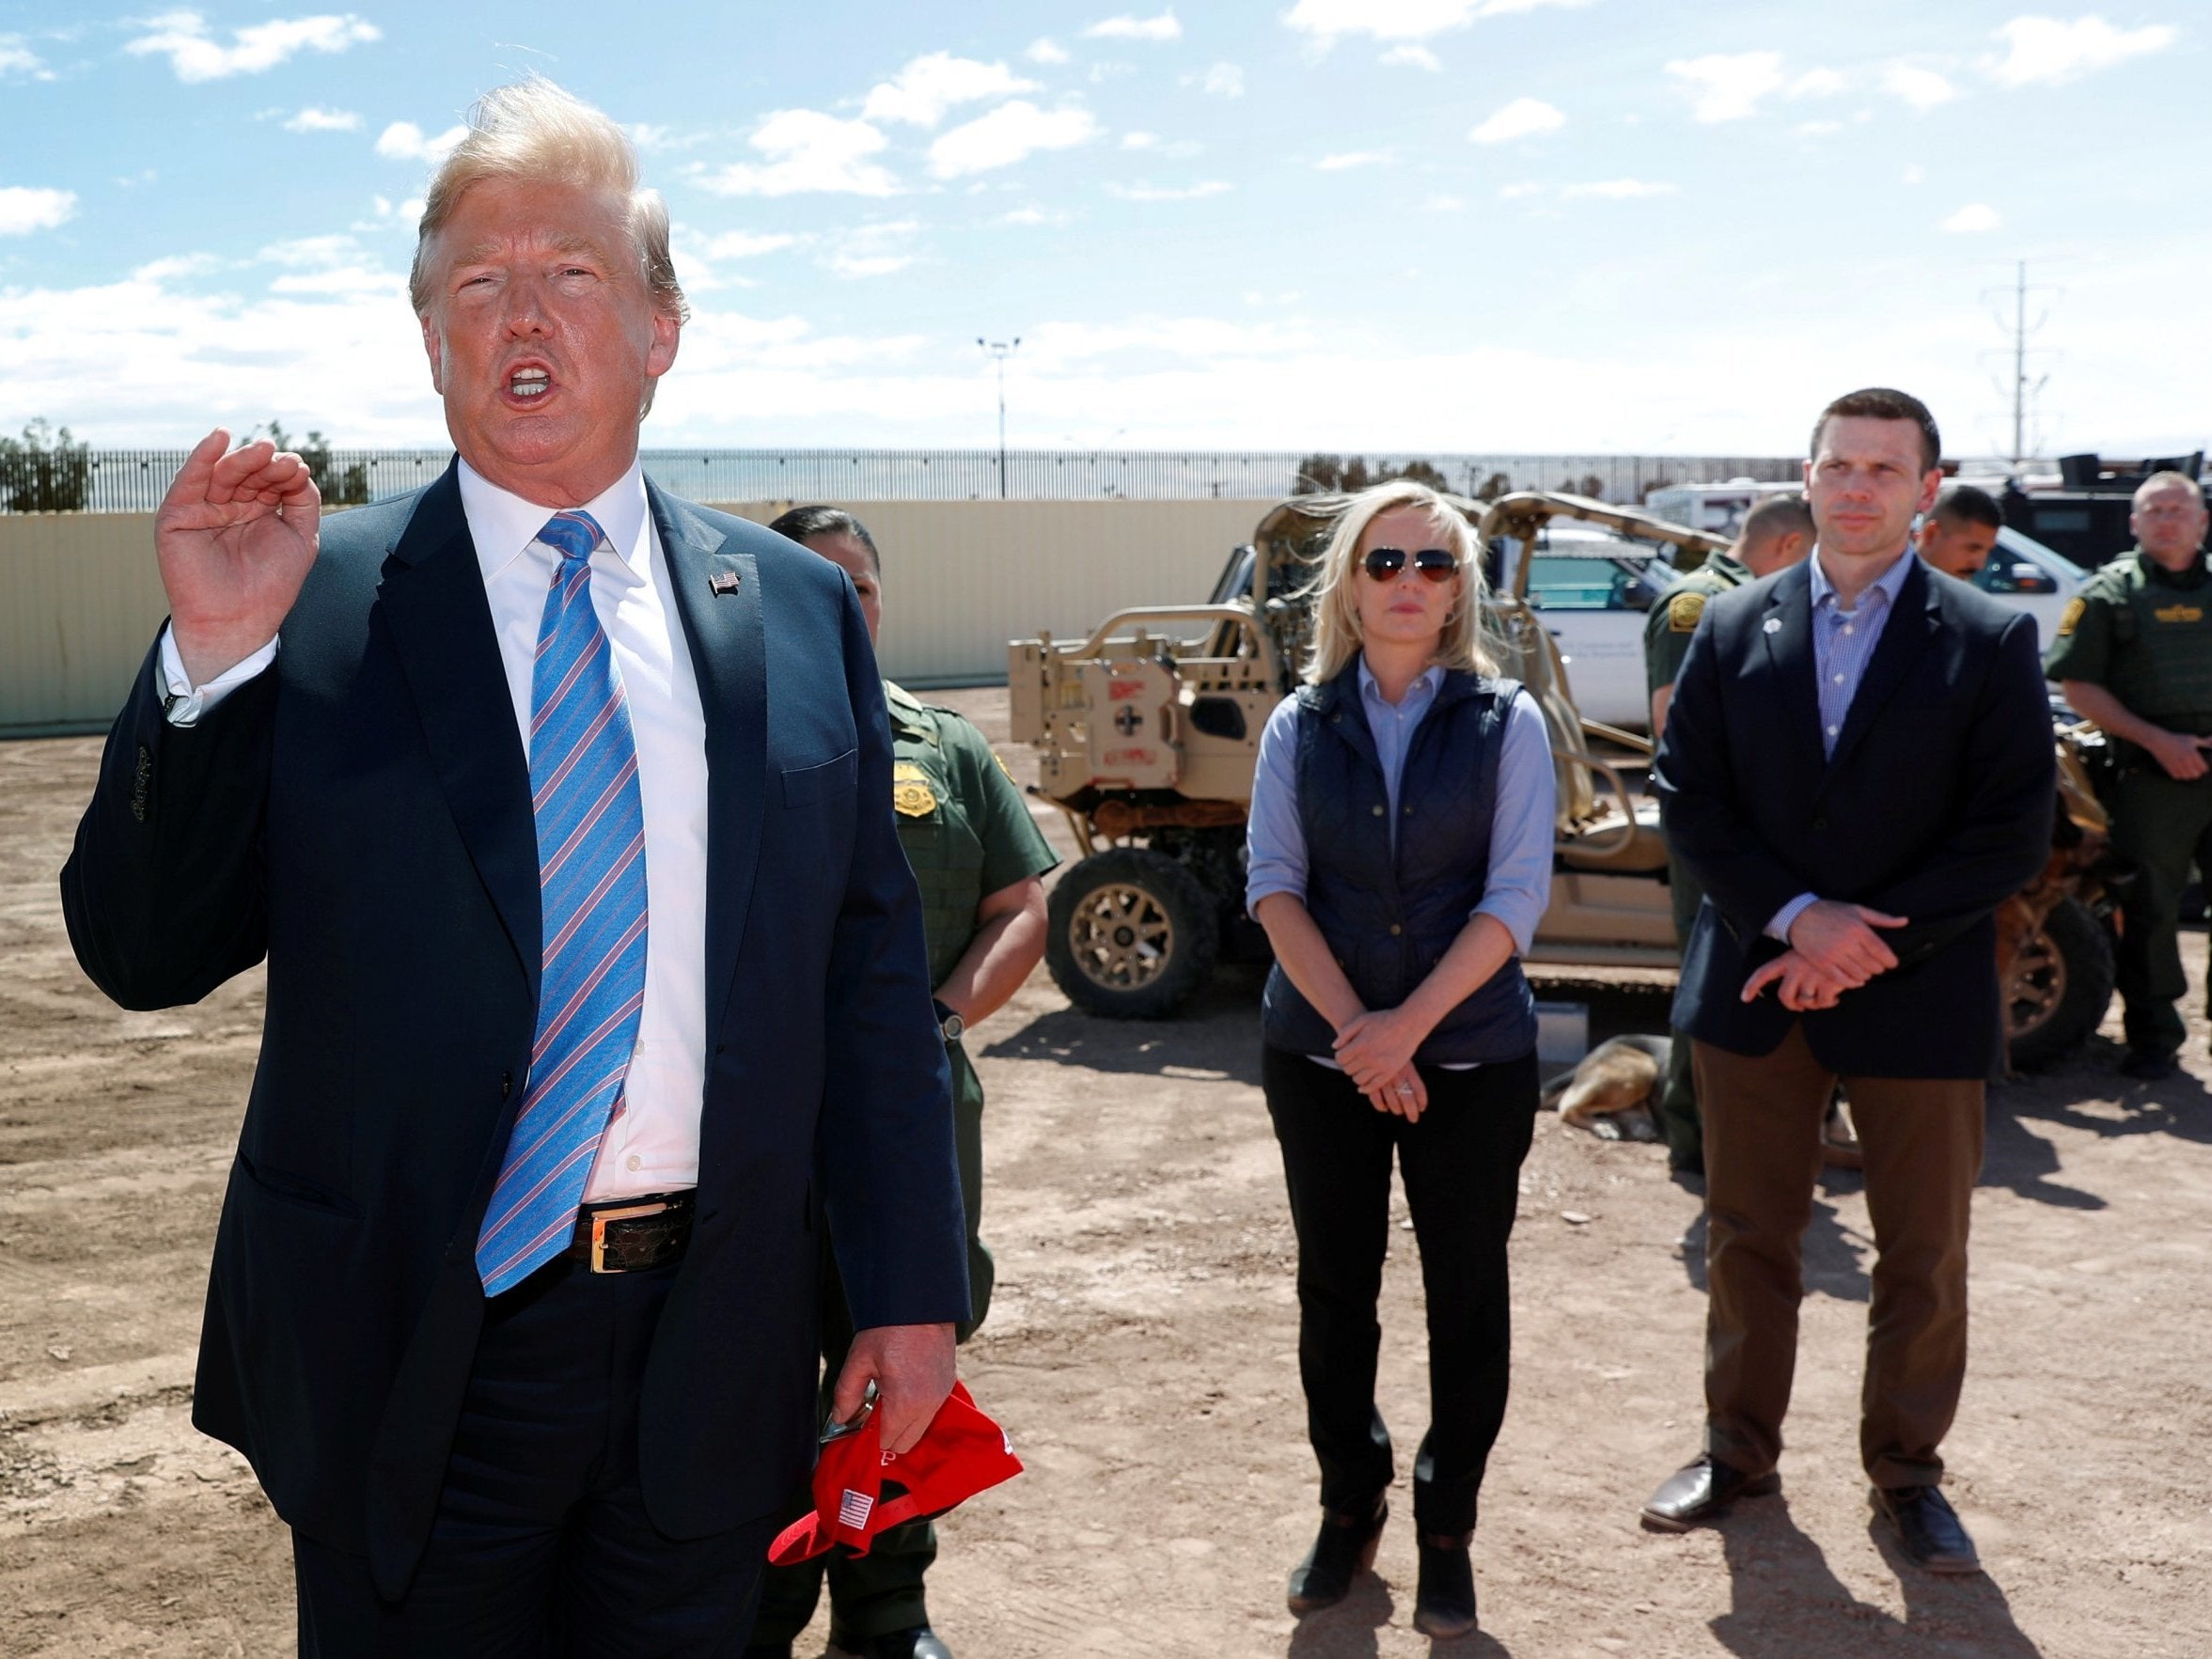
<point x="1142" y="1350"/>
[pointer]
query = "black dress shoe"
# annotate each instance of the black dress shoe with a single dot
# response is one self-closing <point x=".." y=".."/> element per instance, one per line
<point x="1343" y="1549"/>
<point x="1928" y="1528"/>
<point x="1701" y="1493"/>
<point x="2147" y="1065"/>
<point x="917" y="1641"/>
<point x="1444" y="1604"/>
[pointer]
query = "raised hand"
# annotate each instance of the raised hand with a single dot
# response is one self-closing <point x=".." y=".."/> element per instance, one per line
<point x="235" y="536"/>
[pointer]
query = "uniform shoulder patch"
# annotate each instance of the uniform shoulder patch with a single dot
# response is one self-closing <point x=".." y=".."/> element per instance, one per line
<point x="2070" y="618"/>
<point x="1683" y="612"/>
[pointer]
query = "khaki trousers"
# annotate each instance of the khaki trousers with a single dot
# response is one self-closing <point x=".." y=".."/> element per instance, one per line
<point x="1922" y="1141"/>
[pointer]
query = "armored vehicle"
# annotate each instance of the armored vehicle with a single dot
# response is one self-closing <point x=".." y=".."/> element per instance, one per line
<point x="1147" y="736"/>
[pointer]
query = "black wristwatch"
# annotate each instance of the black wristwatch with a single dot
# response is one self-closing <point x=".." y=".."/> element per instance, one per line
<point x="950" y="1023"/>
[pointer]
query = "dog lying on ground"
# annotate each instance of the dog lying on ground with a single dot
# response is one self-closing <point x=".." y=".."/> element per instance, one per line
<point x="1613" y="1092"/>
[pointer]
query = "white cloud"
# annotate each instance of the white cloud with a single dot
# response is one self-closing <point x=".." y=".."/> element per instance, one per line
<point x="1818" y="83"/>
<point x="17" y="58"/>
<point x="1444" y="204"/>
<point x="1224" y="80"/>
<point x="1524" y="117"/>
<point x="872" y="250"/>
<point x="1973" y="219"/>
<point x="1168" y="192"/>
<point x="1923" y="88"/>
<point x="195" y="55"/>
<point x="403" y="141"/>
<point x="1913" y="175"/>
<point x="1400" y="20"/>
<point x="1417" y="57"/>
<point x="928" y="86"/>
<point x="1816" y="129"/>
<point x="342" y="279"/>
<point x="808" y="151"/>
<point x="1033" y="215"/>
<point x="172" y="265"/>
<point x="1615" y="190"/>
<point x="2046" y="51"/>
<point x="1354" y="157"/>
<point x="749" y="245"/>
<point x="26" y="207"/>
<point x="1517" y="191"/>
<point x="1043" y="49"/>
<point x="1726" y="87"/>
<point x="385" y="217"/>
<point x="1008" y="135"/>
<point x="313" y="120"/>
<point x="1152" y="144"/>
<point x="310" y="252"/>
<point x="1130" y="27"/>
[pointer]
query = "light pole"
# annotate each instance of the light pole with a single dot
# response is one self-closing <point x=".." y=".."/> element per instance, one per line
<point x="998" y="352"/>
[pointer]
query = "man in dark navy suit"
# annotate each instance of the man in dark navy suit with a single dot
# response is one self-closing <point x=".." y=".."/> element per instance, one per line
<point x="560" y="809"/>
<point x="1858" y="767"/>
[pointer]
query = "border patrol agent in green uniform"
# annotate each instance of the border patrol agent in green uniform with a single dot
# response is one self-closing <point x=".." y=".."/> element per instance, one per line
<point x="2134" y="653"/>
<point x="1775" y="534"/>
<point x="977" y="855"/>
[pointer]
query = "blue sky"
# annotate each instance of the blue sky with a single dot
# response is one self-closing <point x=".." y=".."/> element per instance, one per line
<point x="1404" y="224"/>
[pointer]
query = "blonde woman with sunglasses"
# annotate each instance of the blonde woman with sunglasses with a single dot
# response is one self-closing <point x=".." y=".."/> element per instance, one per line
<point x="1400" y="856"/>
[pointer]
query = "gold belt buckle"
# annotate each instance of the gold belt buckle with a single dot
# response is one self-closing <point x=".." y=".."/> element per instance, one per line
<point x="601" y="1217"/>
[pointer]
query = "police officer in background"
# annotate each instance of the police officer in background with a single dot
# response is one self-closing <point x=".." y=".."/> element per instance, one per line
<point x="978" y="857"/>
<point x="1775" y="534"/>
<point x="2134" y="653"/>
<point x="1959" y="531"/>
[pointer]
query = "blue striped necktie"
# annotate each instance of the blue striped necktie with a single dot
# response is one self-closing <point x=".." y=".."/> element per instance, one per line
<point x="592" y="876"/>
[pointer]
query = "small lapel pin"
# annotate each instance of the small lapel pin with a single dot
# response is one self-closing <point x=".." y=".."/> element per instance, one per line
<point x="722" y="582"/>
<point x="1774" y="624"/>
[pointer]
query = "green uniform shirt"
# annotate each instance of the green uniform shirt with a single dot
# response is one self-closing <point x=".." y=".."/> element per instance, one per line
<point x="2145" y="634"/>
<point x="1674" y="620"/>
<point x="965" y="826"/>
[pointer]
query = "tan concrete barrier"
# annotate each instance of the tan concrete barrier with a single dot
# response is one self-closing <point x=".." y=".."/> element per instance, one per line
<point x="961" y="579"/>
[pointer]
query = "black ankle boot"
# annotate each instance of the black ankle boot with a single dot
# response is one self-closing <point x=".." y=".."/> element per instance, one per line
<point x="1444" y="1602"/>
<point x="1343" y="1550"/>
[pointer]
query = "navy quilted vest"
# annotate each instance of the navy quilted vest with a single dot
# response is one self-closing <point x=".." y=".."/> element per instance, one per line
<point x="1389" y="917"/>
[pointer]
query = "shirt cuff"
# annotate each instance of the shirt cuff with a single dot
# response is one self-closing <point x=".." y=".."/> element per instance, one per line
<point x="186" y="702"/>
<point x="1779" y="927"/>
<point x="1513" y="914"/>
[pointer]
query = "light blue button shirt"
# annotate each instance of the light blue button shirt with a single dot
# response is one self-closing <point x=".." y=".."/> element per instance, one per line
<point x="1517" y="887"/>
<point x="1844" y="643"/>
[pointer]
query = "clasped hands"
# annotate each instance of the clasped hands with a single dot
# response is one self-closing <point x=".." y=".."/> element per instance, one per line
<point x="1375" y="1049"/>
<point x="1833" y="948"/>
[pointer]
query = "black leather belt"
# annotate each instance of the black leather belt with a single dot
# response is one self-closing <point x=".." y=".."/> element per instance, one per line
<point x="628" y="1235"/>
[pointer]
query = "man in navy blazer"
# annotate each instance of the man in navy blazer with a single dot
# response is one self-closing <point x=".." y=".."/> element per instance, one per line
<point x="341" y="757"/>
<point x="1858" y="766"/>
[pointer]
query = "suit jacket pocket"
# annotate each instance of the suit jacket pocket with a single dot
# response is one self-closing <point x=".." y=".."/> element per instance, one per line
<point x="804" y="784"/>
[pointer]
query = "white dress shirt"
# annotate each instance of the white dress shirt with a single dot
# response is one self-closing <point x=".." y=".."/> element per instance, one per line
<point x="652" y="1143"/>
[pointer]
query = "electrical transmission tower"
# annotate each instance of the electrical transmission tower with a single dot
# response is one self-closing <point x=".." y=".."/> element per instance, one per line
<point x="2020" y="389"/>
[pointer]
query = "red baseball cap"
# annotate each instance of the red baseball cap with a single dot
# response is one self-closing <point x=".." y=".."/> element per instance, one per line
<point x="861" y="1490"/>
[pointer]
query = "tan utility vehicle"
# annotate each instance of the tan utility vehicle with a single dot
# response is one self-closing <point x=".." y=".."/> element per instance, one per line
<point x="1148" y="733"/>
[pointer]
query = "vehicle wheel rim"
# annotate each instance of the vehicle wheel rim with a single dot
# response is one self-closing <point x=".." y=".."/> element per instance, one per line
<point x="1121" y="936"/>
<point x="2037" y="985"/>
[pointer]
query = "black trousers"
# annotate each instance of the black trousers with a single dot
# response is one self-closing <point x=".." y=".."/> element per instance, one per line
<point x="542" y="1546"/>
<point x="1461" y="1161"/>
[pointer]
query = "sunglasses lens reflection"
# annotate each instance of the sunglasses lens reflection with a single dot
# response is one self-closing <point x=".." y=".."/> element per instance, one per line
<point x="1435" y="564"/>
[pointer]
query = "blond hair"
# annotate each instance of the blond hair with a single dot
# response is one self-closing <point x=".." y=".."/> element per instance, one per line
<point x="535" y="129"/>
<point x="1336" y="607"/>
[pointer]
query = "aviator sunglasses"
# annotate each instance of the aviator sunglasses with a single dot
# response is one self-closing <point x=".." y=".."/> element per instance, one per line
<point x="1435" y="564"/>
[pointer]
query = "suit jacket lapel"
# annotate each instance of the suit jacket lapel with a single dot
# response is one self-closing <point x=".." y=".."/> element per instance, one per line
<point x="1904" y="636"/>
<point x="432" y="605"/>
<point x="1788" y="629"/>
<point x="722" y="621"/>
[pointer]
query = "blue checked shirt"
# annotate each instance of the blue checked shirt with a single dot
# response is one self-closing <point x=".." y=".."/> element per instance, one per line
<point x="1844" y="643"/>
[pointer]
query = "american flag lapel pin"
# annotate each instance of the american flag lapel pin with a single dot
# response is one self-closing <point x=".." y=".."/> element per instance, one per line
<point x="722" y="582"/>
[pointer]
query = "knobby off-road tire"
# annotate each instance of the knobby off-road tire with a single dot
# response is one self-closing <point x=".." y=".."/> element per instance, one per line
<point x="2059" y="987"/>
<point x="1133" y="934"/>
